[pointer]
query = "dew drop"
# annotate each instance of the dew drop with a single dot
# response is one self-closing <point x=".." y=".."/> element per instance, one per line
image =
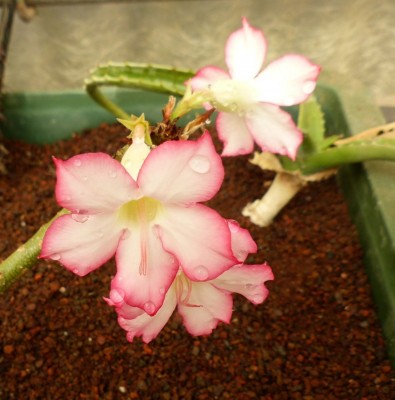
<point x="55" y="257"/>
<point x="75" y="271"/>
<point x="125" y="234"/>
<point x="200" y="273"/>
<point x="162" y="290"/>
<point x="77" y="162"/>
<point x="233" y="226"/>
<point x="200" y="164"/>
<point x="113" y="174"/>
<point x="308" y="87"/>
<point x="149" y="307"/>
<point x="81" y="218"/>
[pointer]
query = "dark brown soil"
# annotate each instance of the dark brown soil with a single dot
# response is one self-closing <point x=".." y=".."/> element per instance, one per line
<point x="316" y="337"/>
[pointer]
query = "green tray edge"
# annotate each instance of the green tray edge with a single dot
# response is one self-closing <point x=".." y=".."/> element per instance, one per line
<point x="369" y="188"/>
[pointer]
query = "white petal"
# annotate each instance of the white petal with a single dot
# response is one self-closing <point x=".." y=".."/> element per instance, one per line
<point x="233" y="132"/>
<point x="200" y="239"/>
<point x="206" y="76"/>
<point x="145" y="270"/>
<point x="274" y="130"/>
<point x="247" y="280"/>
<point x="182" y="172"/>
<point x="287" y="81"/>
<point x="81" y="243"/>
<point x="206" y="306"/>
<point x="86" y="183"/>
<point x="242" y="242"/>
<point x="245" y="52"/>
<point x="145" y="325"/>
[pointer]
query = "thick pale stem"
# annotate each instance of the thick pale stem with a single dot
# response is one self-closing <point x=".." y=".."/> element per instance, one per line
<point x="24" y="257"/>
<point x="284" y="187"/>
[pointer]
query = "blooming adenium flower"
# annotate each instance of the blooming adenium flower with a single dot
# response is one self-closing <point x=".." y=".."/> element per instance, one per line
<point x="146" y="210"/>
<point x="201" y="304"/>
<point x="248" y="100"/>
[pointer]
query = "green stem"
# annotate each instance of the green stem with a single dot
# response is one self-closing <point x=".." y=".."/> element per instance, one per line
<point x="24" y="257"/>
<point x="377" y="149"/>
<point x="156" y="78"/>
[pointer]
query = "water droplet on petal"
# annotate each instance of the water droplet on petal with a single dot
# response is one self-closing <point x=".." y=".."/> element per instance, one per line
<point x="233" y="226"/>
<point x="200" y="273"/>
<point x="113" y="174"/>
<point x="149" y="307"/>
<point x="200" y="164"/>
<point x="125" y="234"/>
<point x="77" y="162"/>
<point x="162" y="290"/>
<point x="80" y="217"/>
<point x="75" y="271"/>
<point x="308" y="87"/>
<point x="55" y="257"/>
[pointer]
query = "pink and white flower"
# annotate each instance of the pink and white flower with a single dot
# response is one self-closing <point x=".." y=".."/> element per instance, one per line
<point x="248" y="100"/>
<point x="148" y="214"/>
<point x="201" y="304"/>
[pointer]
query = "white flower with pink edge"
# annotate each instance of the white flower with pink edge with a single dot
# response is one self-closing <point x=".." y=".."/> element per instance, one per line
<point x="249" y="101"/>
<point x="148" y="215"/>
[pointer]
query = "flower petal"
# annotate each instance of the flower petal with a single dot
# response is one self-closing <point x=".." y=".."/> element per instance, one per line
<point x="206" y="306"/>
<point x="145" y="325"/>
<point x="207" y="76"/>
<point x="242" y="242"/>
<point x="247" y="280"/>
<point x="200" y="239"/>
<point x="145" y="270"/>
<point x="81" y="244"/>
<point x="288" y="80"/>
<point x="182" y="172"/>
<point x="245" y="52"/>
<point x="87" y="181"/>
<point x="274" y="130"/>
<point x="233" y="132"/>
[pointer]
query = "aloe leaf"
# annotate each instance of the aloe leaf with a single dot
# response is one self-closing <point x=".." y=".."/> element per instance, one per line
<point x="359" y="151"/>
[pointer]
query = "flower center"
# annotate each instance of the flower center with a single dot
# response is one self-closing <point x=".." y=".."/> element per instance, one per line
<point x="233" y="96"/>
<point x="138" y="212"/>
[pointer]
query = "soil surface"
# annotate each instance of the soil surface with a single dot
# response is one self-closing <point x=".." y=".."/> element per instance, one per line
<point x="316" y="337"/>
